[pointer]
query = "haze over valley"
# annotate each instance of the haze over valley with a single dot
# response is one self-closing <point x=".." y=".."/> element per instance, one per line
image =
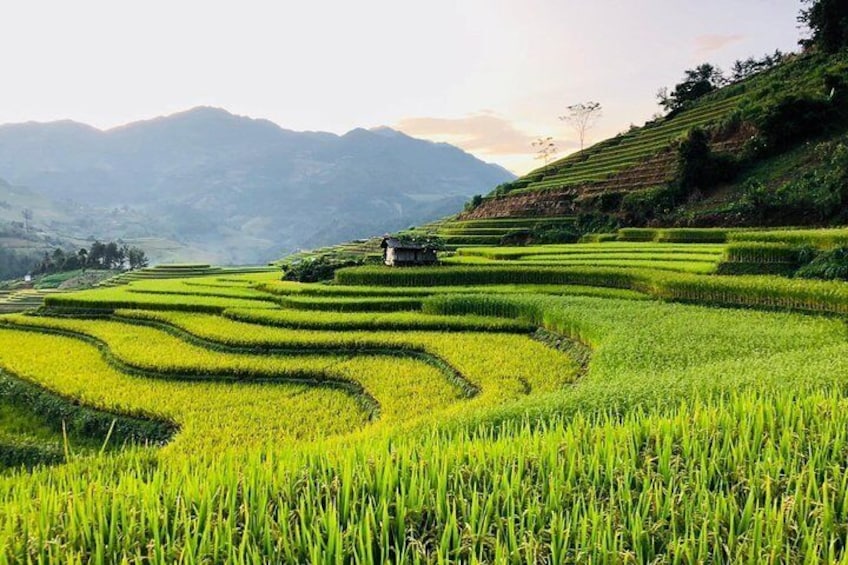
<point x="207" y="185"/>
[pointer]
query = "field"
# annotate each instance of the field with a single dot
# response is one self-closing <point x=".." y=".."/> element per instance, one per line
<point x="597" y="402"/>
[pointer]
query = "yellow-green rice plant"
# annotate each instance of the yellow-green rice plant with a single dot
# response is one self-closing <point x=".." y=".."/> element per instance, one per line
<point x="112" y="298"/>
<point x="396" y="321"/>
<point x="210" y="415"/>
<point x="501" y="366"/>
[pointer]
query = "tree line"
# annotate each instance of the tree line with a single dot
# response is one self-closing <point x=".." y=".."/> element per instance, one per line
<point x="108" y="256"/>
<point x="827" y="22"/>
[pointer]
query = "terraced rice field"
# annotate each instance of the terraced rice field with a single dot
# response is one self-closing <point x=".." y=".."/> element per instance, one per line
<point x="556" y="404"/>
<point x="616" y="154"/>
<point x="455" y="234"/>
<point x="692" y="258"/>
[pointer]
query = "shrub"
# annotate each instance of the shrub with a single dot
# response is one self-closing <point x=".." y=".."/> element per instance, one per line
<point x="472" y="204"/>
<point x="644" y="205"/>
<point x="792" y="119"/>
<point x="698" y="167"/>
<point x="817" y="196"/>
<point x="318" y="269"/>
<point x="829" y="265"/>
<point x="554" y="233"/>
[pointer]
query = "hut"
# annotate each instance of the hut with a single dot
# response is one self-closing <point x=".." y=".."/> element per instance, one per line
<point x="398" y="253"/>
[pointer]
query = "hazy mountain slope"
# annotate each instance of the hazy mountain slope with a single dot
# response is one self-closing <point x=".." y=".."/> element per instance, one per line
<point x="230" y="188"/>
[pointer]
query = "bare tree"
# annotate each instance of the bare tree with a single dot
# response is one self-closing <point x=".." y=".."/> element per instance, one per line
<point x="545" y="149"/>
<point x="582" y="117"/>
<point x="27" y="214"/>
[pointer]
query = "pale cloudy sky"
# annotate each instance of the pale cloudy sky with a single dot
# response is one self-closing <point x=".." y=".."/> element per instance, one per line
<point x="488" y="75"/>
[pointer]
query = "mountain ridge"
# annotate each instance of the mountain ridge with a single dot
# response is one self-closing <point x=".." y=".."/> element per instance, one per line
<point x="207" y="178"/>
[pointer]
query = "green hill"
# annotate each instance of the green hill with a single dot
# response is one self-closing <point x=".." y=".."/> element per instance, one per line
<point x="776" y="137"/>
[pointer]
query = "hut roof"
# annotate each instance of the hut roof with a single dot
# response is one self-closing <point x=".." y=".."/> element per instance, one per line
<point x="396" y="243"/>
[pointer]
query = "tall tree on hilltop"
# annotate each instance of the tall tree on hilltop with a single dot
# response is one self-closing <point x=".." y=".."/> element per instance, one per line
<point x="699" y="81"/>
<point x="582" y="117"/>
<point x="828" y="22"/>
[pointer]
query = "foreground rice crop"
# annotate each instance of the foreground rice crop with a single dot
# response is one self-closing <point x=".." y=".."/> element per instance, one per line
<point x="627" y="429"/>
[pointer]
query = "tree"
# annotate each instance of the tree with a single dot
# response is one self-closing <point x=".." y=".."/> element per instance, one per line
<point x="96" y="255"/>
<point x="475" y="201"/>
<point x="545" y="149"/>
<point x="582" y="117"/>
<point x="751" y="66"/>
<point x="828" y="22"/>
<point x="112" y="256"/>
<point x="82" y="254"/>
<point x="58" y="259"/>
<point x="699" y="81"/>
<point x="27" y="215"/>
<point x="136" y="258"/>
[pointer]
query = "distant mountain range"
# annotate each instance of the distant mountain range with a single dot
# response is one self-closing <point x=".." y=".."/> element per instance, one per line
<point x="208" y="185"/>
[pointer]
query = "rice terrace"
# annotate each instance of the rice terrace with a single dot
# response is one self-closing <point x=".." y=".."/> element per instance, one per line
<point x="636" y="352"/>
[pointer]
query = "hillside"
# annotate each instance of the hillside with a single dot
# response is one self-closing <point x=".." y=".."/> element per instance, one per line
<point x="765" y="138"/>
<point x="211" y="186"/>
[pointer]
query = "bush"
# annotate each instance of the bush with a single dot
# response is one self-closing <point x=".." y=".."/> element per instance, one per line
<point x="595" y="222"/>
<point x="554" y="233"/>
<point x="318" y="269"/>
<point x="818" y="196"/>
<point x="472" y="204"/>
<point x="639" y="207"/>
<point x="793" y="119"/>
<point x="829" y="265"/>
<point x="516" y="237"/>
<point x="698" y="167"/>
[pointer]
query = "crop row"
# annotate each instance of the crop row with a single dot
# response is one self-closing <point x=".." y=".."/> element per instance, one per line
<point x="499" y="365"/>
<point x="287" y="288"/>
<point x="404" y="388"/>
<point x="664" y="264"/>
<point x="818" y="238"/>
<point x="674" y="235"/>
<point x="395" y="383"/>
<point x="351" y="303"/>
<point x="750" y="291"/>
<point x="761" y="252"/>
<point x="616" y="248"/>
<point x="113" y="298"/>
<point x="394" y="321"/>
<point x="210" y="415"/>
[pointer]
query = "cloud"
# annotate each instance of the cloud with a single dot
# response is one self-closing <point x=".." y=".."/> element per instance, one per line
<point x="706" y="44"/>
<point x="483" y="132"/>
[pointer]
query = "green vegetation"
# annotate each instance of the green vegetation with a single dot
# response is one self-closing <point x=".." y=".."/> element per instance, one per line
<point x="763" y="147"/>
<point x="415" y="436"/>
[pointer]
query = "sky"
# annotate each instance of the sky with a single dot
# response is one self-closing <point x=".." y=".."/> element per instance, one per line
<point x="487" y="75"/>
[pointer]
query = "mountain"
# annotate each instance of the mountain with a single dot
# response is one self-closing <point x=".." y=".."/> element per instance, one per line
<point x="209" y="185"/>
